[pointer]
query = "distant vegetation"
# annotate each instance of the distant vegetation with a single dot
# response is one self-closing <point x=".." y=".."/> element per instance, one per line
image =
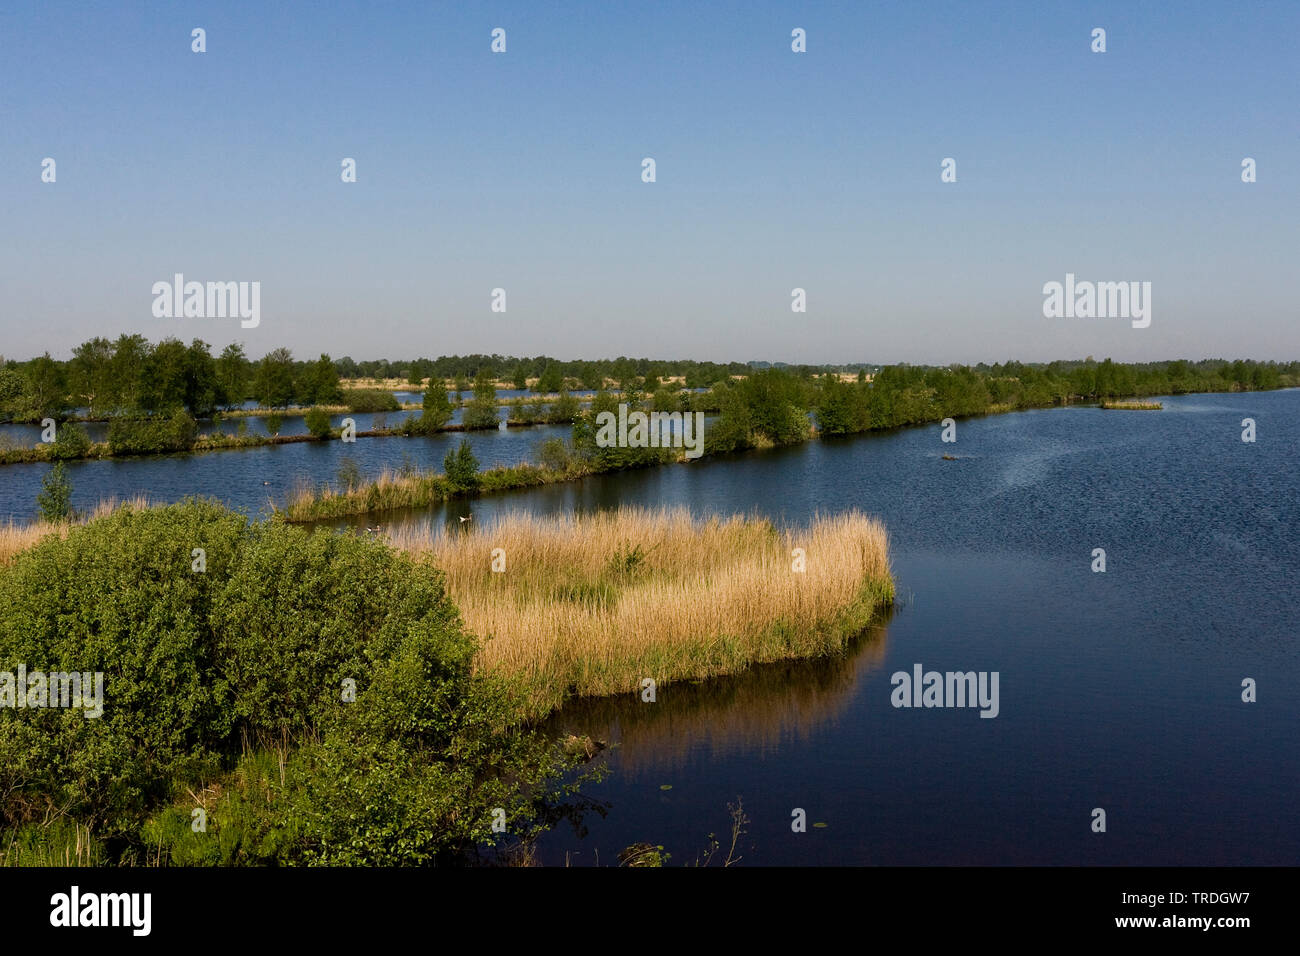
<point x="154" y="395"/>
<point x="775" y="407"/>
<point x="131" y="376"/>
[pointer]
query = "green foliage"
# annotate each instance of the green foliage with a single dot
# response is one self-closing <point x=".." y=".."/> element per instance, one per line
<point x="318" y="384"/>
<point x="116" y="596"/>
<point x="555" y="455"/>
<point x="589" y="438"/>
<point x="273" y="382"/>
<point x="597" y="595"/>
<point x="234" y="676"/>
<point x="550" y="381"/>
<point x="70" y="441"/>
<point x="234" y="373"/>
<point x="564" y="409"/>
<point x="627" y="561"/>
<point x="644" y="854"/>
<point x="138" y="436"/>
<point x="317" y="421"/>
<point x="482" y="411"/>
<point x="437" y="410"/>
<point x="461" y="468"/>
<point x="273" y="424"/>
<point x="371" y="400"/>
<point x="55" y="499"/>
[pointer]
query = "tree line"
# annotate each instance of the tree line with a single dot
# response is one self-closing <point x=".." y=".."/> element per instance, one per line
<point x="131" y="377"/>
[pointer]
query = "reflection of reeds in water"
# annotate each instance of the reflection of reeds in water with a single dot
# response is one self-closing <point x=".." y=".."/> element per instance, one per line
<point x="590" y="605"/>
<point x="755" y="712"/>
<point x="19" y="537"/>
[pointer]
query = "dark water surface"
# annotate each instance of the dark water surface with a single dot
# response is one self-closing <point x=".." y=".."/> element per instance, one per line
<point x="1119" y="690"/>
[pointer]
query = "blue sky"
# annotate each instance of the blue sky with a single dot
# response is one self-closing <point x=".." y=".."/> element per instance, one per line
<point x="775" y="170"/>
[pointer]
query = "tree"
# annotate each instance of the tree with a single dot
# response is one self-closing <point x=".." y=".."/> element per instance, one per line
<point x="550" y="381"/>
<point x="461" y="467"/>
<point x="127" y="369"/>
<point x="13" y="393"/>
<point x="233" y="372"/>
<point x="70" y="442"/>
<point x="273" y="382"/>
<point x="482" y="411"/>
<point x="203" y="391"/>
<point x="437" y="408"/>
<point x="163" y="384"/>
<point x="836" y="407"/>
<point x="318" y="422"/>
<point x="565" y="409"/>
<point x="55" y="499"/>
<point x="90" y="373"/>
<point x="47" y="389"/>
<point x="520" y="377"/>
<point x="319" y="383"/>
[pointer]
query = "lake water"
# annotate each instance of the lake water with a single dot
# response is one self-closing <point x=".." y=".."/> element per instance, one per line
<point x="1119" y="690"/>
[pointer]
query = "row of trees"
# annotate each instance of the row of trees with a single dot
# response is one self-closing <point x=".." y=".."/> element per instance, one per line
<point x="130" y="376"/>
<point x="905" y="395"/>
<point x="777" y="406"/>
<point x="542" y="373"/>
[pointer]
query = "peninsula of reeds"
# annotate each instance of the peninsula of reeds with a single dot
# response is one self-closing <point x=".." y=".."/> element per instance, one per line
<point x="596" y="604"/>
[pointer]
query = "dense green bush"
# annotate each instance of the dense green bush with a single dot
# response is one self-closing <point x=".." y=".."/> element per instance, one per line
<point x="55" y="500"/>
<point x="587" y="432"/>
<point x="564" y="410"/>
<point x="317" y="421"/>
<point x="437" y="410"/>
<point x="371" y="400"/>
<point x="142" y="436"/>
<point x="210" y="669"/>
<point x="461" y="468"/>
<point x="70" y="442"/>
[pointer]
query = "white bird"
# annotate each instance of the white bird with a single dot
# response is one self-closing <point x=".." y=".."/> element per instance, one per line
<point x="465" y="518"/>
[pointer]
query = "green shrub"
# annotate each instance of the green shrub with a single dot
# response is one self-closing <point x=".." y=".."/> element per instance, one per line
<point x="461" y="468"/>
<point x="70" y="442"/>
<point x="437" y="410"/>
<point x="317" y="421"/>
<point x="55" y="499"/>
<point x="142" y="436"/>
<point x="564" y="410"/>
<point x="554" y="454"/>
<point x="481" y="414"/>
<point x="273" y="424"/>
<point x="371" y="400"/>
<point x="116" y="596"/>
<point x="234" y="675"/>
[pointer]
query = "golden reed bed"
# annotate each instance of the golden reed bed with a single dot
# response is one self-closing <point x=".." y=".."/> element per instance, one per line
<point x="592" y="605"/>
